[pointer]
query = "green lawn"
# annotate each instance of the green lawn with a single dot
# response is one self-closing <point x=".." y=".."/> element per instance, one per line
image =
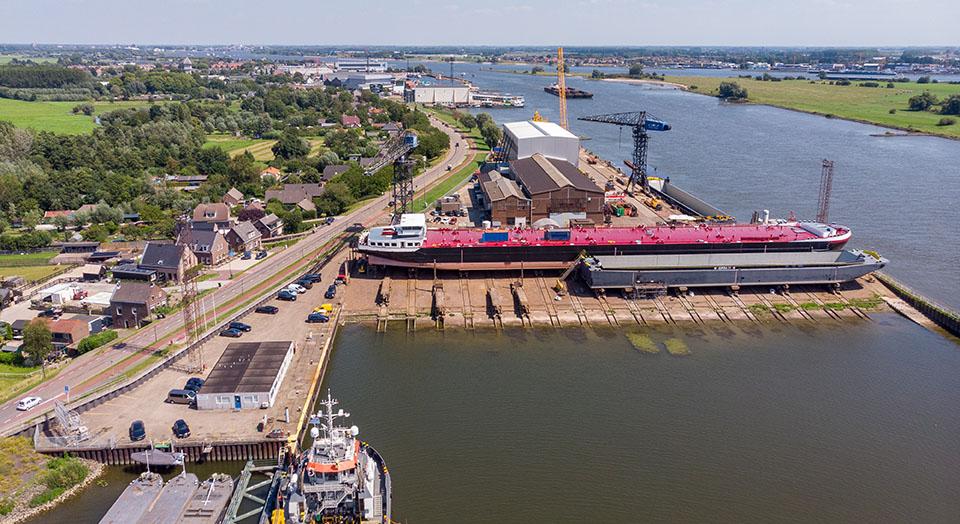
<point x="31" y="266"/>
<point x="866" y="104"/>
<point x="448" y="184"/>
<point x="57" y="116"/>
<point x="40" y="257"/>
<point x="31" y="273"/>
<point x="259" y="148"/>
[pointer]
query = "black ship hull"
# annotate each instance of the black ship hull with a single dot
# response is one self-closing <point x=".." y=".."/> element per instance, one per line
<point x="571" y="92"/>
<point x="560" y="257"/>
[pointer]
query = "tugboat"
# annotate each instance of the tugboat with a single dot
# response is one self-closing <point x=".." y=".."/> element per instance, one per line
<point x="338" y="478"/>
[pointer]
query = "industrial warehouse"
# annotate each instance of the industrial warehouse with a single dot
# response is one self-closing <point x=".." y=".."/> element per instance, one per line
<point x="247" y="376"/>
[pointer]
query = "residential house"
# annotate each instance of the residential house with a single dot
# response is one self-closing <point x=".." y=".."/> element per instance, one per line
<point x="67" y="332"/>
<point x="331" y="171"/>
<point x="48" y="216"/>
<point x="270" y="172"/>
<point x="93" y="272"/>
<point x="393" y="128"/>
<point x="294" y="194"/>
<point x="213" y="216"/>
<point x="133" y="303"/>
<point x="244" y="237"/>
<point x="208" y="246"/>
<point x="269" y="226"/>
<point x="233" y="197"/>
<point x="169" y="261"/>
<point x="350" y="121"/>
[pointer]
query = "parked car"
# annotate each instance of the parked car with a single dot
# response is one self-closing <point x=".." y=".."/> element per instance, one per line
<point x="232" y="333"/>
<point x="261" y="255"/>
<point x="304" y="283"/>
<point x="341" y="279"/>
<point x="267" y="310"/>
<point x="330" y="220"/>
<point x="28" y="403"/>
<point x="331" y="292"/>
<point x="324" y="308"/>
<point x="246" y="256"/>
<point x="287" y="295"/>
<point x="193" y="384"/>
<point x="317" y="317"/>
<point x="312" y="277"/>
<point x="240" y="326"/>
<point x="181" y="429"/>
<point x="296" y="288"/>
<point x="180" y="396"/>
<point x="137" y="431"/>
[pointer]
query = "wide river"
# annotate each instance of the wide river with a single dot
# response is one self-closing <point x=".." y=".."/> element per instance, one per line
<point x="780" y="423"/>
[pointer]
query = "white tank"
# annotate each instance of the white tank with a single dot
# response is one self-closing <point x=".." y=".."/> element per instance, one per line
<point x="486" y="224"/>
<point x="314" y="432"/>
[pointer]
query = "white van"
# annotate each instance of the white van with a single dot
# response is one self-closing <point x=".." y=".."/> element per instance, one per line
<point x="28" y="403"/>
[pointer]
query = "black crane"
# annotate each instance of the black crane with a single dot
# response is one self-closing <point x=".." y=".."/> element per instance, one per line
<point x="640" y="123"/>
<point x="395" y="151"/>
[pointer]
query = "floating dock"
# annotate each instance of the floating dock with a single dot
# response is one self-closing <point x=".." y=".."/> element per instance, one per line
<point x="147" y="500"/>
<point x="173" y="499"/>
<point x="135" y="500"/>
<point x="728" y="269"/>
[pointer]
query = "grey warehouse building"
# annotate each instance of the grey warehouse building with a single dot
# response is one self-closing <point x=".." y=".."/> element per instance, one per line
<point x="247" y="376"/>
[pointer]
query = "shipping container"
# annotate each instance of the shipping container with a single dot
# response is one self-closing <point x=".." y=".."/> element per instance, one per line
<point x="495" y="236"/>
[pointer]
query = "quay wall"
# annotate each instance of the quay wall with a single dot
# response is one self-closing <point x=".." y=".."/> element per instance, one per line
<point x="940" y="315"/>
<point x="193" y="452"/>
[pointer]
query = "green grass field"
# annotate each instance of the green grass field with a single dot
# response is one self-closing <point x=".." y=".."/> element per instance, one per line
<point x="57" y="116"/>
<point x="259" y="148"/>
<point x="6" y="59"/>
<point x="852" y="102"/>
<point x="451" y="182"/>
<point x="31" y="266"/>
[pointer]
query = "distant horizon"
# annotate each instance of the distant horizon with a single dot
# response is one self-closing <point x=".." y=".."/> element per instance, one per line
<point x="362" y="47"/>
<point x="593" y="23"/>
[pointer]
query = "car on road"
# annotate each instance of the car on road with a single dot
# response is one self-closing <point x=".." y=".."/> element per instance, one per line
<point x="137" y="431"/>
<point x="261" y="255"/>
<point x="317" y="317"/>
<point x="287" y="295"/>
<point x="232" y="333"/>
<point x="181" y="429"/>
<point x="193" y="384"/>
<point x="331" y="292"/>
<point x="330" y="220"/>
<point x="267" y="310"/>
<point x="28" y="403"/>
<point x="296" y="288"/>
<point x="240" y="326"/>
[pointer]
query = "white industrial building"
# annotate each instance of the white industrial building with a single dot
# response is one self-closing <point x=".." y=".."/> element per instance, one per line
<point x="440" y="95"/>
<point x="525" y="139"/>
<point x="361" y="66"/>
<point x="247" y="376"/>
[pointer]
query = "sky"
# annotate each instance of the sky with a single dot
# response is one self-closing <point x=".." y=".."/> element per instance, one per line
<point x="484" y="22"/>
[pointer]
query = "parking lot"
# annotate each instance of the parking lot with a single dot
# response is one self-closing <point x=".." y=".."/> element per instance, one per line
<point x="108" y="423"/>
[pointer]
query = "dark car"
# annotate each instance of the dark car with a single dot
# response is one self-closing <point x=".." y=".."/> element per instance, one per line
<point x="331" y="292"/>
<point x="240" y="326"/>
<point x="312" y="277"/>
<point x="232" y="333"/>
<point x="267" y="310"/>
<point x="287" y="295"/>
<point x="246" y="255"/>
<point x="193" y="384"/>
<point x="330" y="220"/>
<point x="181" y="429"/>
<point x="304" y="283"/>
<point x="317" y="317"/>
<point x="261" y="255"/>
<point x="138" y="431"/>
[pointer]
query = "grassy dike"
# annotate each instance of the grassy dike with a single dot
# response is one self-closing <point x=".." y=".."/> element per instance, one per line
<point x="871" y="105"/>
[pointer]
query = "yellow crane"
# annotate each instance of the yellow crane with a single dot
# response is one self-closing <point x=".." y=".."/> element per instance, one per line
<point x="562" y="86"/>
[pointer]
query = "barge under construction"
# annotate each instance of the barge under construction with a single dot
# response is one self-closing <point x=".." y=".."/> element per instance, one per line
<point x="638" y="272"/>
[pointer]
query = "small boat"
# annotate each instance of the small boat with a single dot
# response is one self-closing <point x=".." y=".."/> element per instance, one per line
<point x="157" y="457"/>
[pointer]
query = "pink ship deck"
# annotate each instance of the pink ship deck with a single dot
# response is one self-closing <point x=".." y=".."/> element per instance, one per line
<point x="745" y="233"/>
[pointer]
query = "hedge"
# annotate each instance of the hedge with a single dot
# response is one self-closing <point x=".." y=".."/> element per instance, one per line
<point x="95" y="341"/>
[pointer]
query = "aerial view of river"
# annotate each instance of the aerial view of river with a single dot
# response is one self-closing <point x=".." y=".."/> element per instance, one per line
<point x="898" y="194"/>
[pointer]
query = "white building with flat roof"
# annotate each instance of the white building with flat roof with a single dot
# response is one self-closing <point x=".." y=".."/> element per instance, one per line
<point x="361" y="65"/>
<point x="527" y="138"/>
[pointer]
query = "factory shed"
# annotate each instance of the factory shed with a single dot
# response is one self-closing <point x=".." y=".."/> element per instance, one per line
<point x="527" y="138"/>
<point x="504" y="200"/>
<point x="247" y="376"/>
<point x="557" y="190"/>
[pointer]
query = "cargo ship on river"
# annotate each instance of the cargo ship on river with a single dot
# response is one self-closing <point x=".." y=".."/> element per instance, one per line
<point x="571" y="92"/>
<point x="338" y="478"/>
<point x="409" y="243"/>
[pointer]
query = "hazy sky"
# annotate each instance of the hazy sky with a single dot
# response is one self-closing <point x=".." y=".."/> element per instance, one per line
<point x="520" y="22"/>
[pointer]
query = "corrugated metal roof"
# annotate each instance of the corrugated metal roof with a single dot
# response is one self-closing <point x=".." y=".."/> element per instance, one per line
<point x="247" y="367"/>
<point x="531" y="129"/>
<point x="539" y="174"/>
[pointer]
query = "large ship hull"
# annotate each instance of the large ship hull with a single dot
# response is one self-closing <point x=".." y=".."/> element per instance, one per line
<point x="560" y="257"/>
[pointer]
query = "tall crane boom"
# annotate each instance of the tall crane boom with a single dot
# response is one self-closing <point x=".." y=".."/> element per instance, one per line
<point x="639" y="123"/>
<point x="395" y="151"/>
<point x="562" y="86"/>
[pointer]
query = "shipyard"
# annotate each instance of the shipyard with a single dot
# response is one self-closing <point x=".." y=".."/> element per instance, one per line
<point x="291" y="284"/>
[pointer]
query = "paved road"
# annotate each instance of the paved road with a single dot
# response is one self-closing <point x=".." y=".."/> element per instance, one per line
<point x="90" y="371"/>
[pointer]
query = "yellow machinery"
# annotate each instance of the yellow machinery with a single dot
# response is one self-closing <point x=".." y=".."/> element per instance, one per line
<point x="654" y="203"/>
<point x="537" y="117"/>
<point x="562" y="86"/>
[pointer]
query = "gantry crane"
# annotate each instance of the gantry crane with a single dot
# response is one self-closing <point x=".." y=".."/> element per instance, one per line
<point x="395" y="151"/>
<point x="640" y="123"/>
<point x="562" y="86"/>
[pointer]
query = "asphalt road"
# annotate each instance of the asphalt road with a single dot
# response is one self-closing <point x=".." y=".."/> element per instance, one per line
<point x="88" y="372"/>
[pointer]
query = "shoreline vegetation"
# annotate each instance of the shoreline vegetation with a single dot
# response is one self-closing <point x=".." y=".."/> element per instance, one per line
<point x="31" y="482"/>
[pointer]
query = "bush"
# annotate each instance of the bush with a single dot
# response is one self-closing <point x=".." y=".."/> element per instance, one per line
<point x="732" y="91"/>
<point x="923" y="80"/>
<point x="923" y="101"/>
<point x="64" y="472"/>
<point x="94" y="341"/>
<point x="945" y="121"/>
<point x="45" y="496"/>
<point x="842" y="82"/>
<point x="6" y="506"/>
<point x="892" y="111"/>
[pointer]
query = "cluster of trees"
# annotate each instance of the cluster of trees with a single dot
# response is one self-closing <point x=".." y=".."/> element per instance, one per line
<point x="927" y="101"/>
<point x="42" y="76"/>
<point x="489" y="130"/>
<point x="732" y="91"/>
